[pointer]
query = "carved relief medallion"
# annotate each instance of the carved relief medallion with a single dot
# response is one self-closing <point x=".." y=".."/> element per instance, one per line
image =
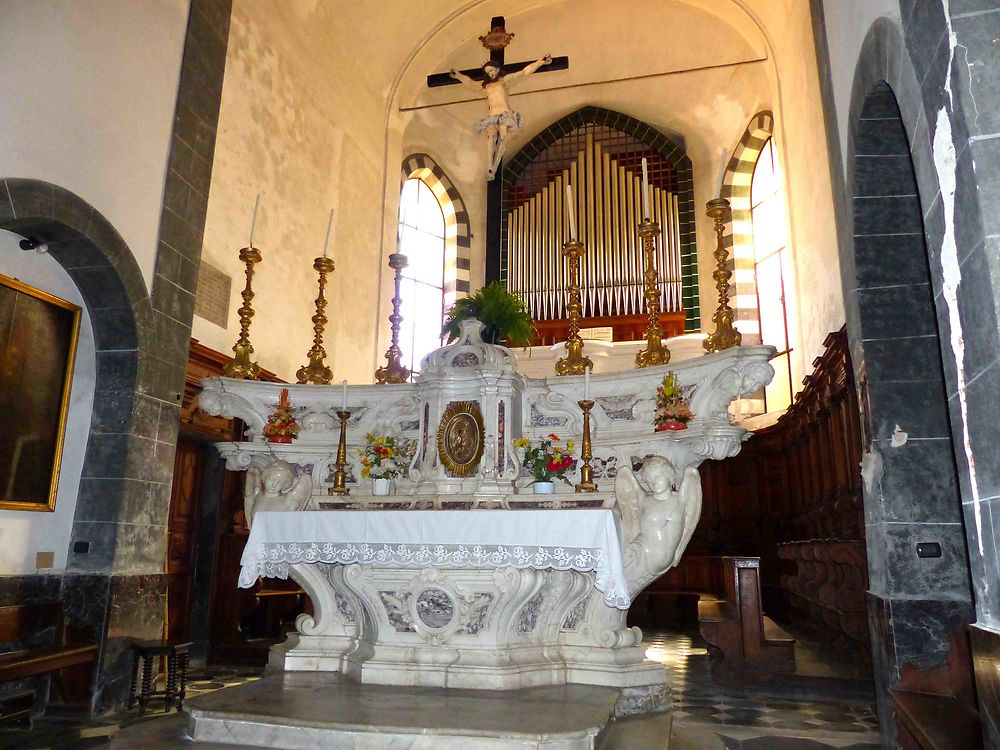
<point x="460" y="438"/>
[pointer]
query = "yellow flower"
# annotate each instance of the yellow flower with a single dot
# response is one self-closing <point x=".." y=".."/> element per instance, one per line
<point x="570" y="445"/>
<point x="522" y="442"/>
<point x="365" y="472"/>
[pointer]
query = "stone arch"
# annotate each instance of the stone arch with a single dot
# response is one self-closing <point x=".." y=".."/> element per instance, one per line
<point x="104" y="269"/>
<point x="458" y="238"/>
<point x="671" y="150"/>
<point x="738" y="235"/>
<point x="909" y="367"/>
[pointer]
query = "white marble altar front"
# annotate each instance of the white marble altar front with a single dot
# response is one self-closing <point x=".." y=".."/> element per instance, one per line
<point x="494" y="626"/>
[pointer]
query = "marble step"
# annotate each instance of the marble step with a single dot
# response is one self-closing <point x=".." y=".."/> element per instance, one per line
<point x="300" y="710"/>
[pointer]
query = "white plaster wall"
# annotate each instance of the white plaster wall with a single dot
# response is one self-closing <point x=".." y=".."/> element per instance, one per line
<point x="847" y="25"/>
<point x="23" y="533"/>
<point x="87" y="95"/>
<point x="299" y="124"/>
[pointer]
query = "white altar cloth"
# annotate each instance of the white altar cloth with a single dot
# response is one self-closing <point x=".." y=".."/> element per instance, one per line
<point x="579" y="539"/>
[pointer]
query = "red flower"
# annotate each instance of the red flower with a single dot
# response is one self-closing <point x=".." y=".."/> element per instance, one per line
<point x="553" y="436"/>
<point x="552" y="466"/>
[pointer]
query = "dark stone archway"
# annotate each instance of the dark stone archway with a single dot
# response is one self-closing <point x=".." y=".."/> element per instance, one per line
<point x="115" y="587"/>
<point x="895" y="224"/>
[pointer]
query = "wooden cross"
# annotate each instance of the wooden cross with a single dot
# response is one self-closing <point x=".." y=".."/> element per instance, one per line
<point x="495" y="42"/>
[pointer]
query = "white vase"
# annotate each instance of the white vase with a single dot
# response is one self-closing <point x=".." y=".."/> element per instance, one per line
<point x="380" y="486"/>
<point x="543" y="488"/>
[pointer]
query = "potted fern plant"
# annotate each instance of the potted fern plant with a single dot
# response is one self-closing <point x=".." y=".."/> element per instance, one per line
<point x="504" y="316"/>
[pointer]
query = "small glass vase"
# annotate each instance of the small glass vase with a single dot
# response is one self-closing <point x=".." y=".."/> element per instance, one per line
<point x="543" y="488"/>
<point x="380" y="486"/>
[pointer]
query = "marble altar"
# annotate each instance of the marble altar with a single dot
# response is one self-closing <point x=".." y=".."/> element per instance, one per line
<point x="480" y="625"/>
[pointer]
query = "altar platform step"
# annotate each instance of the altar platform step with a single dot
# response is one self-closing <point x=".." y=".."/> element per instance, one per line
<point x="300" y="710"/>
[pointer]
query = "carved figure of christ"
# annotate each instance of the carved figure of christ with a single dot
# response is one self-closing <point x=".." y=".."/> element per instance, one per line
<point x="494" y="80"/>
<point x="502" y="120"/>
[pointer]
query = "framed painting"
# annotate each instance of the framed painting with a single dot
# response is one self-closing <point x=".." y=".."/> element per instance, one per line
<point x="38" y="337"/>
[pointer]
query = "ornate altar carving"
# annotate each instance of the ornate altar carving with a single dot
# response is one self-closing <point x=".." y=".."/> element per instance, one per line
<point x="460" y="438"/>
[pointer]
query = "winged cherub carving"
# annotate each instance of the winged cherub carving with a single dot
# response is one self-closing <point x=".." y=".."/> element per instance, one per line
<point x="659" y="522"/>
<point x="275" y="487"/>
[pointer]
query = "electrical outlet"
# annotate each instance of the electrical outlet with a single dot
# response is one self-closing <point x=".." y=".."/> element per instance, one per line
<point x="44" y="560"/>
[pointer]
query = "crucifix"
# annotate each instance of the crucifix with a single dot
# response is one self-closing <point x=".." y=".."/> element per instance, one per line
<point x="493" y="80"/>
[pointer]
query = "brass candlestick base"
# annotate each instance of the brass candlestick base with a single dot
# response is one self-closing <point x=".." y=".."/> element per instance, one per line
<point x="574" y="363"/>
<point x="725" y="336"/>
<point x="339" y="478"/>
<point x="586" y="472"/>
<point x="241" y="366"/>
<point x="655" y="352"/>
<point x="394" y="371"/>
<point x="316" y="371"/>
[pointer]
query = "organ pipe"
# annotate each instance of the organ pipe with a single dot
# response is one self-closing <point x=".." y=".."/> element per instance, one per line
<point x="609" y="210"/>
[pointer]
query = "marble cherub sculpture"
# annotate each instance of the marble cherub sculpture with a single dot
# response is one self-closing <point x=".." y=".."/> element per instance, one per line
<point x="502" y="121"/>
<point x="657" y="524"/>
<point x="275" y="487"/>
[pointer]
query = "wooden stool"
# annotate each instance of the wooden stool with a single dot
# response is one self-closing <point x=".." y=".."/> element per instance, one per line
<point x="145" y="652"/>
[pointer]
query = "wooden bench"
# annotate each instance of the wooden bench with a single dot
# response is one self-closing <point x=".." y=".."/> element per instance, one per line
<point x="31" y="624"/>
<point x="734" y="626"/>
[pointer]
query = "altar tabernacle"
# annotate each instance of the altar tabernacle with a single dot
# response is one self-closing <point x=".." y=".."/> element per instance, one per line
<point x="464" y="577"/>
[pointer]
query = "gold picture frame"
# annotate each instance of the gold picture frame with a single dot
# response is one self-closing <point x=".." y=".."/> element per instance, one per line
<point x="461" y="438"/>
<point x="38" y="339"/>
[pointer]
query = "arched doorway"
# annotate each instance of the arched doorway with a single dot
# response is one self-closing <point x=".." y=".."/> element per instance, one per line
<point x="916" y="478"/>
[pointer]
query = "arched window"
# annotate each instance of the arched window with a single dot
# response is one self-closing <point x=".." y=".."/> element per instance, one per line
<point x="771" y="272"/>
<point x="422" y="241"/>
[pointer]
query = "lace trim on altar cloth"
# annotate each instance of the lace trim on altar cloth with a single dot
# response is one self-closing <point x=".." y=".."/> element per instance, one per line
<point x="271" y="560"/>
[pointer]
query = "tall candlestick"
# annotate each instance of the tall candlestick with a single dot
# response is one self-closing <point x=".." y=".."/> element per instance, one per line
<point x="394" y="371"/>
<point x="586" y="384"/>
<point x="572" y="212"/>
<point x="329" y="228"/>
<point x="726" y="335"/>
<point x="645" y="188"/>
<point x="253" y="221"/>
<point x="343" y="396"/>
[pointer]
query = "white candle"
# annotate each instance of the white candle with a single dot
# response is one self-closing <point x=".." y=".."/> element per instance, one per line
<point x="572" y="212"/>
<point x="343" y="396"/>
<point x="722" y="168"/>
<point x="253" y="221"/>
<point x="645" y="188"/>
<point x="586" y="383"/>
<point x="329" y="228"/>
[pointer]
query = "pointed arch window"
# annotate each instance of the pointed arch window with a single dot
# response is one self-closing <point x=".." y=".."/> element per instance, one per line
<point x="422" y="241"/>
<point x="771" y="272"/>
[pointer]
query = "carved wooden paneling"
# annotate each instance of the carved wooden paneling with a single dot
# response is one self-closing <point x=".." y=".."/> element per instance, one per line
<point x="793" y="497"/>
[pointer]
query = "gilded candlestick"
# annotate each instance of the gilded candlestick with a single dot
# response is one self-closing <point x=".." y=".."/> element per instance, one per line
<point x="574" y="363"/>
<point x="339" y="477"/>
<point x="725" y="336"/>
<point x="655" y="353"/>
<point x="394" y="371"/>
<point x="586" y="472"/>
<point x="241" y="366"/>
<point x="316" y="371"/>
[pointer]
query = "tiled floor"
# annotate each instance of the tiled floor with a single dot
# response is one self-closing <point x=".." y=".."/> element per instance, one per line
<point x="748" y="721"/>
<point x="739" y="721"/>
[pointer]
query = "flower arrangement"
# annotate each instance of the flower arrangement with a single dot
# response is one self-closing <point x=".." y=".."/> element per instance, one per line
<point x="385" y="456"/>
<point x="547" y="461"/>
<point x="281" y="426"/>
<point x="672" y="411"/>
